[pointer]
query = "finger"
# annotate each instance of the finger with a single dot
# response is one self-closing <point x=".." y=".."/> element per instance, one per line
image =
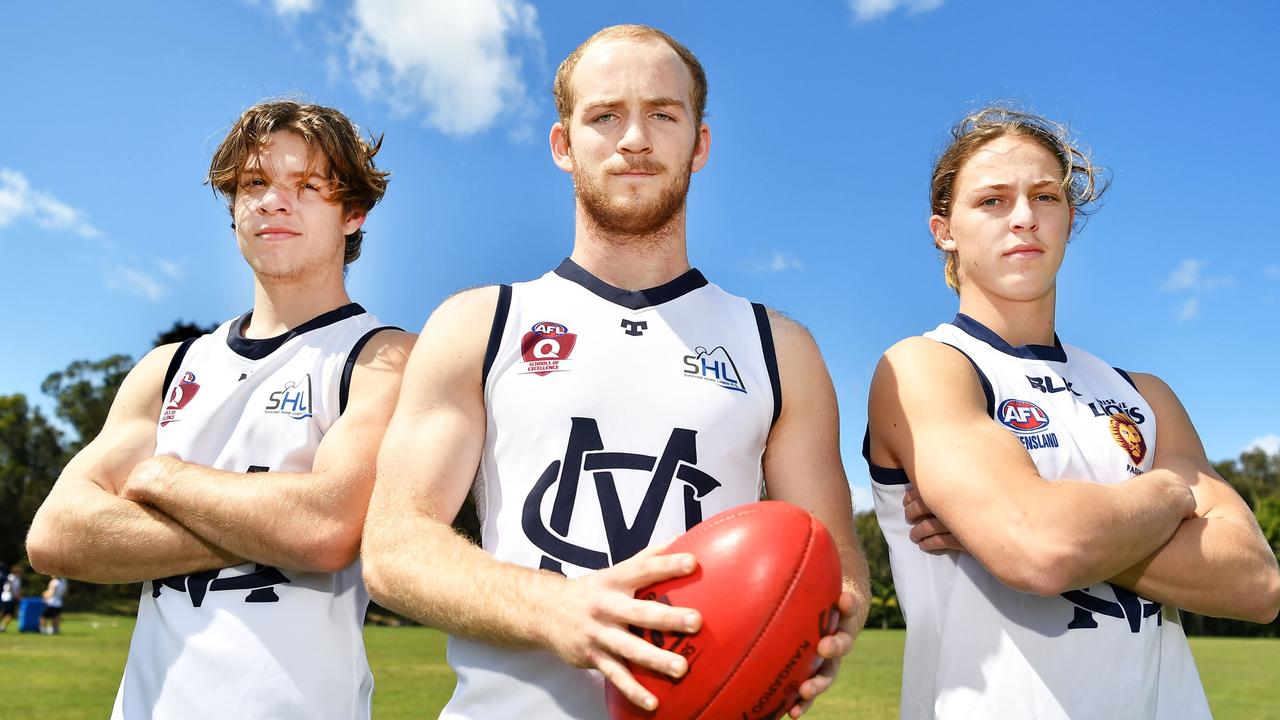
<point x="623" y="644"/>
<point x="638" y="571"/>
<point x="926" y="526"/>
<point x="940" y="542"/>
<point x="915" y="510"/>
<point x="615" y="672"/>
<point x="835" y="646"/>
<point x="845" y="604"/>
<point x="656" y="615"/>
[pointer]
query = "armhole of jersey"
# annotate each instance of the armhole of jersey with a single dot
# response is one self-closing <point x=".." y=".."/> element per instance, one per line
<point x="344" y="386"/>
<point x="495" y="331"/>
<point x="770" y="358"/>
<point x="880" y="474"/>
<point x="1126" y="377"/>
<point x="982" y="378"/>
<point x="174" y="363"/>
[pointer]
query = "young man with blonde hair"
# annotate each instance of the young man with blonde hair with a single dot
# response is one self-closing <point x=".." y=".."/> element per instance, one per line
<point x="233" y="472"/>
<point x="609" y="406"/>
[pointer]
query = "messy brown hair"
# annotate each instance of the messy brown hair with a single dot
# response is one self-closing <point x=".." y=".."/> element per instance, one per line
<point x="354" y="180"/>
<point x="1082" y="181"/>
<point x="562" y="89"/>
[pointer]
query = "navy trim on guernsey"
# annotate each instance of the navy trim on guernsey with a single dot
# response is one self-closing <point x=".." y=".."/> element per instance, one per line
<point x="879" y="473"/>
<point x="632" y="299"/>
<point x="344" y="384"/>
<point x="258" y="349"/>
<point x="982" y="378"/>
<point x="1126" y="377"/>
<point x="1027" y="352"/>
<point x="495" y="331"/>
<point x="174" y="363"/>
<point x="770" y="358"/>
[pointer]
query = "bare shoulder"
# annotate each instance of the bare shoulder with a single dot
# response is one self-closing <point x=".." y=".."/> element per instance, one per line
<point x="142" y="391"/>
<point x="473" y="305"/>
<point x="1154" y="389"/>
<point x="387" y="350"/>
<point x="793" y="344"/>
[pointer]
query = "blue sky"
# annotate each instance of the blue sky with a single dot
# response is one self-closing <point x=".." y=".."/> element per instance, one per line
<point x="825" y="118"/>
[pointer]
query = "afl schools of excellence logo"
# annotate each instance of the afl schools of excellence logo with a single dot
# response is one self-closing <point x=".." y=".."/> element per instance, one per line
<point x="1127" y="435"/>
<point x="181" y="394"/>
<point x="545" y="347"/>
<point x="1022" y="417"/>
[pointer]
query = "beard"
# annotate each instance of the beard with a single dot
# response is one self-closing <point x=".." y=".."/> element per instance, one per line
<point x="632" y="218"/>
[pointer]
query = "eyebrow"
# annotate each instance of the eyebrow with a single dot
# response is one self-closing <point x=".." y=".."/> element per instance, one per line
<point x="257" y="169"/>
<point x="1005" y="186"/>
<point x="605" y="103"/>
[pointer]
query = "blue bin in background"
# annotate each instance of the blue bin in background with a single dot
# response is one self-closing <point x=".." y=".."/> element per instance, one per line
<point x="29" y="611"/>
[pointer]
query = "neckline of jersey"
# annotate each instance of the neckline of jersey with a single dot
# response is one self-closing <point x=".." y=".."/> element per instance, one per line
<point x="691" y="280"/>
<point x="978" y="331"/>
<point x="258" y="349"/>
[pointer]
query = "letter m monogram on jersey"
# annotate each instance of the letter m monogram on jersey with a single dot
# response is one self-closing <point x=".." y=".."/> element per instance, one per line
<point x="586" y="453"/>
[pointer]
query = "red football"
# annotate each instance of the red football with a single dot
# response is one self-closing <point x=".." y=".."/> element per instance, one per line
<point x="767" y="584"/>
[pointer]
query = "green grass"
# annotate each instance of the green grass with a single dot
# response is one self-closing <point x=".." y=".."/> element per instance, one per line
<point x="75" y="675"/>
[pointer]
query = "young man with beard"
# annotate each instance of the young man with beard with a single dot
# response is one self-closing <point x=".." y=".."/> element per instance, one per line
<point x="233" y="472"/>
<point x="609" y="405"/>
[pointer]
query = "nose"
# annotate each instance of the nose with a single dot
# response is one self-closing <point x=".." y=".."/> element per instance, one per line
<point x="1022" y="217"/>
<point x="275" y="200"/>
<point x="635" y="140"/>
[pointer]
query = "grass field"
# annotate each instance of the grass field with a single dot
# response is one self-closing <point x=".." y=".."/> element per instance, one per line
<point x="74" y="675"/>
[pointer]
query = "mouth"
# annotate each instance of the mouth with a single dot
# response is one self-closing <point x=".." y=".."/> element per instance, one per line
<point x="276" y="233"/>
<point x="1024" y="251"/>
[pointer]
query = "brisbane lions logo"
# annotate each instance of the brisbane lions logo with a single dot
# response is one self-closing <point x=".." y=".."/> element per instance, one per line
<point x="1127" y="435"/>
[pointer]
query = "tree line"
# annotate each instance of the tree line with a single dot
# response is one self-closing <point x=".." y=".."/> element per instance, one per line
<point x="33" y="451"/>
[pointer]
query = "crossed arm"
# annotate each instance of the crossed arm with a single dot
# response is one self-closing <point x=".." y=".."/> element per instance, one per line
<point x="1214" y="560"/>
<point x="117" y="514"/>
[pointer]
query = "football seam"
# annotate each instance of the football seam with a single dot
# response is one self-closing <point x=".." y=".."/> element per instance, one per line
<point x="791" y="587"/>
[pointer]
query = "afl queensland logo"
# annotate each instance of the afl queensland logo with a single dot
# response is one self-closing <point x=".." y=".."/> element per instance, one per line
<point x="545" y="347"/>
<point x="181" y="394"/>
<point x="1022" y="417"/>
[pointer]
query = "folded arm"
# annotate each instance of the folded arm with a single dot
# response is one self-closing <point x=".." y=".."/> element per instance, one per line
<point x="308" y="521"/>
<point x="928" y="415"/>
<point x="1218" y="562"/>
<point x="86" y="531"/>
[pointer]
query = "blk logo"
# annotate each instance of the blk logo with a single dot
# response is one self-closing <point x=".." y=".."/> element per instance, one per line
<point x="1021" y="416"/>
<point x="586" y="454"/>
<point x="1127" y="606"/>
<point x="1045" y="385"/>
<point x="197" y="585"/>
<point x="293" y="400"/>
<point x="634" y="328"/>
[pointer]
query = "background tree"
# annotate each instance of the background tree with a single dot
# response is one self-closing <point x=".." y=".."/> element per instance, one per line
<point x="30" y="458"/>
<point x="182" y="330"/>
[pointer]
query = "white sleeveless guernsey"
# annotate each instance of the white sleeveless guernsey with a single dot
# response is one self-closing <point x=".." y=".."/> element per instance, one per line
<point x="616" y="419"/>
<point x="978" y="649"/>
<point x="252" y="641"/>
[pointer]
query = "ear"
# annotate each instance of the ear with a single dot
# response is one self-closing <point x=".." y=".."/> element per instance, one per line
<point x="353" y="223"/>
<point x="702" y="148"/>
<point x="560" y="147"/>
<point x="941" y="232"/>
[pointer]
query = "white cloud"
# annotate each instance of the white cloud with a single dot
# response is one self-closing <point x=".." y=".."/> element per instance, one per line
<point x="780" y="261"/>
<point x="1190" y="308"/>
<point x="862" y="498"/>
<point x="1268" y="443"/>
<point x="458" y="64"/>
<point x="288" y="9"/>
<point x="864" y="10"/>
<point x="1272" y="271"/>
<point x="170" y="268"/>
<point x="19" y="201"/>
<point x="135" y="282"/>
<point x="1189" y="280"/>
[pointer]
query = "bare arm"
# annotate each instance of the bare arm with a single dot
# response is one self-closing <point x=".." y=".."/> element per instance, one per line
<point x="802" y="466"/>
<point x="928" y="416"/>
<point x="415" y="564"/>
<point x="84" y="530"/>
<point x="306" y="520"/>
<point x="1218" y="562"/>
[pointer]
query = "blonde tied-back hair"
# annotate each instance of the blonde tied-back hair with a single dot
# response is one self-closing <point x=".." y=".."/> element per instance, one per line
<point x="331" y="138"/>
<point x="1083" y="182"/>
